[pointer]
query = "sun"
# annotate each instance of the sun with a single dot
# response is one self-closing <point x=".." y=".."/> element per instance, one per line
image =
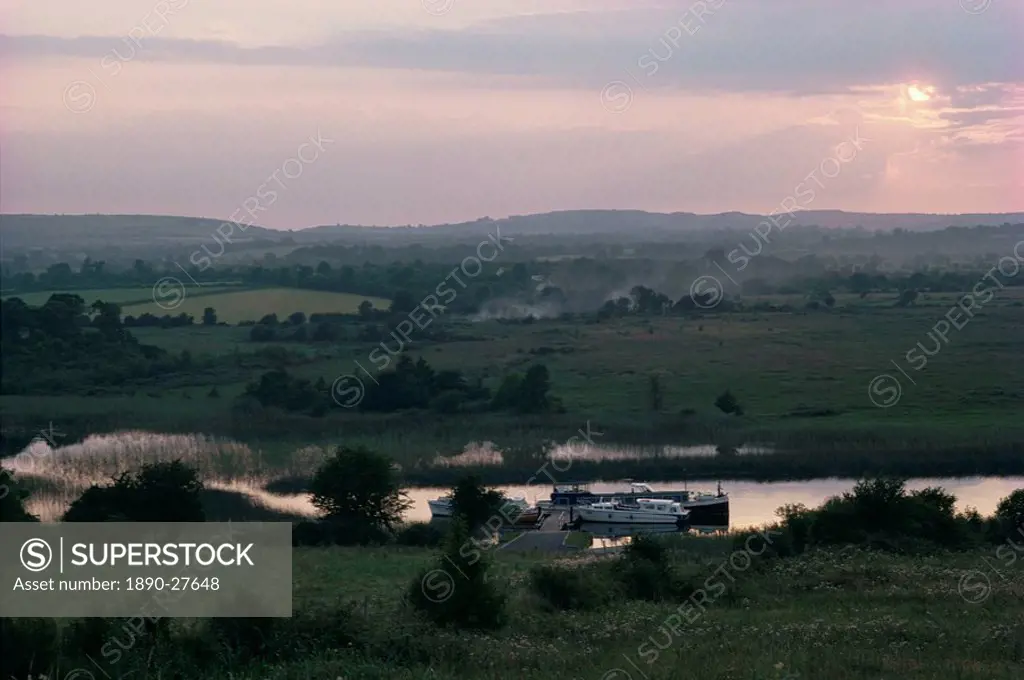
<point x="920" y="93"/>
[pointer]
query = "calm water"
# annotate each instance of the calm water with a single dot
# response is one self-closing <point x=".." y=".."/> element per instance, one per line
<point x="754" y="503"/>
<point x="233" y="466"/>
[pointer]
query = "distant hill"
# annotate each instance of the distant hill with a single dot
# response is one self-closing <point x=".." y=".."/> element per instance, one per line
<point x="88" y="232"/>
<point x="643" y="224"/>
<point x="125" y="231"/>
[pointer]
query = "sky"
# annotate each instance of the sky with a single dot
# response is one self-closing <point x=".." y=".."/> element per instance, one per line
<point x="391" y="112"/>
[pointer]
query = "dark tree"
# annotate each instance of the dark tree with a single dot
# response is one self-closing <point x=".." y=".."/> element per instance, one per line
<point x="359" y="487"/>
<point x="727" y="403"/>
<point x="209" y="316"/>
<point x="533" y="393"/>
<point x="457" y="592"/>
<point x="159" y="492"/>
<point x="473" y="503"/>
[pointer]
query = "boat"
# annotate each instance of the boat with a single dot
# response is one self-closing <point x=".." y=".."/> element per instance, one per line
<point x="442" y="506"/>
<point x="705" y="507"/>
<point x="643" y="511"/>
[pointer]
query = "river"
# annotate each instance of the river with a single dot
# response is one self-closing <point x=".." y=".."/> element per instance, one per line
<point x="754" y="503"/>
<point x="233" y="466"/>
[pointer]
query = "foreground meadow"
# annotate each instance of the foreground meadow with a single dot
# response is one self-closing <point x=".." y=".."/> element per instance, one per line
<point x="843" y="615"/>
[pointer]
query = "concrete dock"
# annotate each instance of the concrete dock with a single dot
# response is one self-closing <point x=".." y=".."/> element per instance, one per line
<point x="548" y="538"/>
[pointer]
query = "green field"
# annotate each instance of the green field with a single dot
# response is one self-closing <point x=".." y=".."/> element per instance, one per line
<point x="251" y="305"/>
<point x="801" y="377"/>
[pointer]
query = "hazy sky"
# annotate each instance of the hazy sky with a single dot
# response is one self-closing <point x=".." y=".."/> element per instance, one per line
<point x="447" y="110"/>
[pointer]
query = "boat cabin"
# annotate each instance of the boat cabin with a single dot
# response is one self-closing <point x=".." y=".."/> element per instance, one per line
<point x="579" y="493"/>
<point x="572" y="493"/>
<point x="659" y="505"/>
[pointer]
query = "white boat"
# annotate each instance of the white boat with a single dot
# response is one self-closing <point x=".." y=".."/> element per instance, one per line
<point x="442" y="507"/>
<point x="646" y="511"/>
<point x="690" y="500"/>
<point x="707" y="507"/>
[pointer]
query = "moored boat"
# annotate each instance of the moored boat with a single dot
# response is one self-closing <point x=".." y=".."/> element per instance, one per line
<point x="705" y="507"/>
<point x="644" y="511"/>
<point x="441" y="507"/>
<point x="512" y="506"/>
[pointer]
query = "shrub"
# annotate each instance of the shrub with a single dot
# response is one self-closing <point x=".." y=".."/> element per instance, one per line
<point x="569" y="589"/>
<point x="1011" y="508"/>
<point x="474" y="503"/>
<point x="645" y="571"/>
<point x="359" y="487"/>
<point x="159" y="492"/>
<point x="1009" y="518"/>
<point x="647" y="547"/>
<point x="727" y="403"/>
<point x="879" y="512"/>
<point x="420" y="534"/>
<point x="458" y="592"/>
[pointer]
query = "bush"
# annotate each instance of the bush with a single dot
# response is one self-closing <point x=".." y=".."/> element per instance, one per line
<point x="159" y="492"/>
<point x="460" y="594"/>
<point x="569" y="589"/>
<point x="1009" y="519"/>
<point x="645" y="571"/>
<point x="1011" y="508"/>
<point x="420" y="534"/>
<point x="646" y="580"/>
<point x="358" y="487"/>
<point x="474" y="503"/>
<point x="727" y="403"/>
<point x="881" y="513"/>
<point x="647" y="547"/>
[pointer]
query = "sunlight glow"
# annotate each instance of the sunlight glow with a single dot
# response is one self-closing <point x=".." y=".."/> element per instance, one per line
<point x="920" y="93"/>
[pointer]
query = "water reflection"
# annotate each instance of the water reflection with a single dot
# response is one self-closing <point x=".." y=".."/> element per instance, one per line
<point x="59" y="475"/>
<point x="603" y="453"/>
<point x="615" y="535"/>
<point x="488" y="453"/>
<point x="754" y="503"/>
